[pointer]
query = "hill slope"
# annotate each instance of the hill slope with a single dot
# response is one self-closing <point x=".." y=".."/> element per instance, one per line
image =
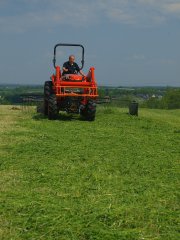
<point x="115" y="178"/>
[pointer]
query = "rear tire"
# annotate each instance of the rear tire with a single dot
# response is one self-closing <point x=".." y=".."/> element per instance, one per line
<point x="52" y="107"/>
<point x="45" y="107"/>
<point x="47" y="92"/>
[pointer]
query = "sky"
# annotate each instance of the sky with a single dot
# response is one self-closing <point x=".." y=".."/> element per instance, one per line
<point x="129" y="42"/>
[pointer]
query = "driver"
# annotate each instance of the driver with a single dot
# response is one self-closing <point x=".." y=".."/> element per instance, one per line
<point x="71" y="67"/>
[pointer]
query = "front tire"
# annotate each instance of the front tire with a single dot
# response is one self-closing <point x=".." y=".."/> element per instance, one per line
<point x="89" y="113"/>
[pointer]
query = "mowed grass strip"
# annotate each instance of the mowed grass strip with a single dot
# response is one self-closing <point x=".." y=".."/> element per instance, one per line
<point x="115" y="178"/>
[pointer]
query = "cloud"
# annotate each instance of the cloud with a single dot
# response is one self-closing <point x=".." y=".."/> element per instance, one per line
<point x="136" y="57"/>
<point x="24" y="14"/>
<point x="172" y="8"/>
<point x="119" y="16"/>
<point x="168" y="62"/>
<point x="143" y="12"/>
<point x="52" y="14"/>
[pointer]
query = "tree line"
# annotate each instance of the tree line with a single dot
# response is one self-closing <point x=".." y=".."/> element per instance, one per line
<point x="171" y="100"/>
<point x="149" y="97"/>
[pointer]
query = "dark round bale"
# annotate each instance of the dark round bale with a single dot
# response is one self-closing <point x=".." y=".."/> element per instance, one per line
<point x="133" y="108"/>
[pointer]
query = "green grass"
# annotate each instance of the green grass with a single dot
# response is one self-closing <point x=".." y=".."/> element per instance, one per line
<point x="112" y="179"/>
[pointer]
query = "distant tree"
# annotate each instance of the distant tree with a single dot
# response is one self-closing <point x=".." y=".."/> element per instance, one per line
<point x="152" y="103"/>
<point x="171" y="100"/>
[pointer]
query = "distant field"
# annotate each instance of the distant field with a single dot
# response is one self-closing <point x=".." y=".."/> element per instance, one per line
<point x="112" y="179"/>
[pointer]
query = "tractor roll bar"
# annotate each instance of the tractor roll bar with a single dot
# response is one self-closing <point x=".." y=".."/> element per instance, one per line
<point x="68" y="45"/>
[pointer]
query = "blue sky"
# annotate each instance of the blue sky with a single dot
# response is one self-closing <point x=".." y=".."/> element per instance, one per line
<point x="129" y="42"/>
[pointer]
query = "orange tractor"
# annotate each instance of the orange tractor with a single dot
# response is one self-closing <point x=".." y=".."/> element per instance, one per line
<point x="71" y="93"/>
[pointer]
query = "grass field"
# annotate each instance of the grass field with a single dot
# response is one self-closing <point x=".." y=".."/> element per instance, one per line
<point x="112" y="179"/>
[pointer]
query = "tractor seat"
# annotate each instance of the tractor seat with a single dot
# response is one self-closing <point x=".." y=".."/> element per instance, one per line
<point x="72" y="78"/>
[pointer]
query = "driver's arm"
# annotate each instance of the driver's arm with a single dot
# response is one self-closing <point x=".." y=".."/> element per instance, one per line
<point x="81" y="72"/>
<point x="65" y="69"/>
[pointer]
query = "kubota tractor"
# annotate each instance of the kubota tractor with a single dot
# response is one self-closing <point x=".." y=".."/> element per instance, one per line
<point x="72" y="93"/>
